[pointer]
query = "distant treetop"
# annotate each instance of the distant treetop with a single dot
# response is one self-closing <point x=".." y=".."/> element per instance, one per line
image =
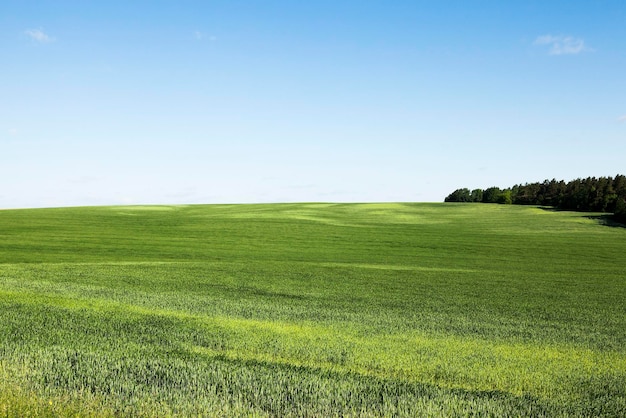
<point x="602" y="194"/>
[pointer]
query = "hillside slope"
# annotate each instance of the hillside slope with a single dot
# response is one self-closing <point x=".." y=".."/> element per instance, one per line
<point x="311" y="309"/>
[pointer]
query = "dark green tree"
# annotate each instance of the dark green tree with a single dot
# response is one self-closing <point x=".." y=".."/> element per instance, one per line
<point x="620" y="209"/>
<point x="505" y="197"/>
<point x="491" y="195"/>
<point x="476" y="195"/>
<point x="527" y="194"/>
<point x="602" y="194"/>
<point x="459" y="195"/>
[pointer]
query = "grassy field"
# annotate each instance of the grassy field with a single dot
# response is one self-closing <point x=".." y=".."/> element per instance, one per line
<point x="311" y="310"/>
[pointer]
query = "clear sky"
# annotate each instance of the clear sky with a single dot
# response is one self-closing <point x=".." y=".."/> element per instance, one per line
<point x="141" y="102"/>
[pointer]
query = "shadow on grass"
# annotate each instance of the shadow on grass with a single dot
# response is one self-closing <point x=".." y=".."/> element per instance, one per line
<point x="606" y="219"/>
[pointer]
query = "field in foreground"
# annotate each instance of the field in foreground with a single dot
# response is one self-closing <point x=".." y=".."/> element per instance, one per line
<point x="311" y="310"/>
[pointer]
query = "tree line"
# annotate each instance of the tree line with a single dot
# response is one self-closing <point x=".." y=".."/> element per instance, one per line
<point x="602" y="194"/>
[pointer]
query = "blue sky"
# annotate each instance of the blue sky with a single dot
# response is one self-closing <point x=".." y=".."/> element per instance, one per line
<point x="141" y="102"/>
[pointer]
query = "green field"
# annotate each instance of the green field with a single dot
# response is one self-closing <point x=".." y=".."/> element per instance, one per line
<point x="311" y="310"/>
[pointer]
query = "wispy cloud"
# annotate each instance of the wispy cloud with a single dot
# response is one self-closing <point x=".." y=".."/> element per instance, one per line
<point x="562" y="45"/>
<point x="622" y="119"/>
<point x="12" y="131"/>
<point x="39" y="35"/>
<point x="200" y="35"/>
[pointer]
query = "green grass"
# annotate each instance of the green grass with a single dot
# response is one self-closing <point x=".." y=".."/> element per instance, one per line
<point x="311" y="310"/>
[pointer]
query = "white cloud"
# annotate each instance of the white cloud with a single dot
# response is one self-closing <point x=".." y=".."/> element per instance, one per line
<point x="562" y="45"/>
<point x="39" y="35"/>
<point x="622" y="119"/>
<point x="13" y="131"/>
<point x="200" y="35"/>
